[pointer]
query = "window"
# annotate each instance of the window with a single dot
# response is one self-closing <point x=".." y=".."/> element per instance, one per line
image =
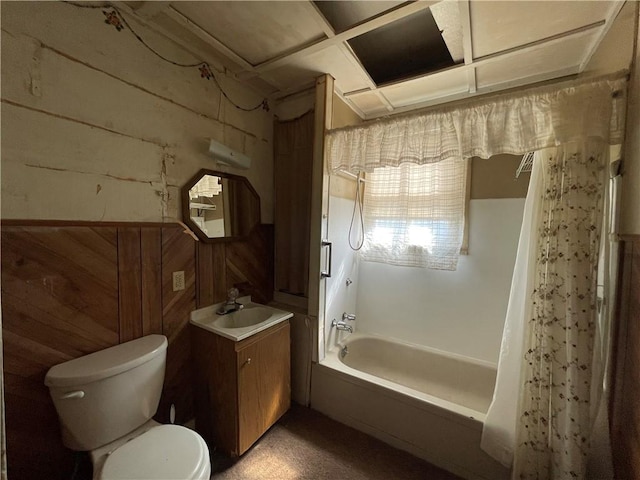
<point x="414" y="215"/>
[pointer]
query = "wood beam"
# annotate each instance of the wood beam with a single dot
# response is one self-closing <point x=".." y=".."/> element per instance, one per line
<point x="467" y="42"/>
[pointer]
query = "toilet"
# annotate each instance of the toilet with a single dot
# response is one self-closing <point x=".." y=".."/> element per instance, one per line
<point x="105" y="402"/>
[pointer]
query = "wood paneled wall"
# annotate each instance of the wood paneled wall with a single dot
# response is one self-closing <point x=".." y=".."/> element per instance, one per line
<point x="247" y="266"/>
<point x="72" y="289"/>
<point x="59" y="301"/>
<point x="625" y="403"/>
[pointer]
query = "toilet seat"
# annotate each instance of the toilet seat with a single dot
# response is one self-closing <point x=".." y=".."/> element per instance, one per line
<point x="165" y="452"/>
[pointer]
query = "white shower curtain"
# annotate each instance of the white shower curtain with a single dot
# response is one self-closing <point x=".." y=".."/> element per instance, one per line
<point x="499" y="434"/>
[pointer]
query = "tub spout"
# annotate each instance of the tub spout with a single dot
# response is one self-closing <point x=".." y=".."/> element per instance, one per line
<point x="340" y="325"/>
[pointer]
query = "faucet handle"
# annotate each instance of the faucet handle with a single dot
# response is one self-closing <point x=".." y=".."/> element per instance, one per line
<point x="348" y="316"/>
<point x="232" y="294"/>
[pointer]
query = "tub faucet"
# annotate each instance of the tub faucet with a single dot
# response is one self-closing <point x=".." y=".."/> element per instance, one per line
<point x="340" y="325"/>
<point x="348" y="316"/>
<point x="231" y="305"/>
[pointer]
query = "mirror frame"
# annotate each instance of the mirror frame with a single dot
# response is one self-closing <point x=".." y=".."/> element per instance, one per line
<point x="186" y="214"/>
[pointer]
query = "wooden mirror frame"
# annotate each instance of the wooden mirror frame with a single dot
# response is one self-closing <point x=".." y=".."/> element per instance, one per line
<point x="186" y="214"/>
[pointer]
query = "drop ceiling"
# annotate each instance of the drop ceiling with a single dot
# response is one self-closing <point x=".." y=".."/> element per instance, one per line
<point x="387" y="56"/>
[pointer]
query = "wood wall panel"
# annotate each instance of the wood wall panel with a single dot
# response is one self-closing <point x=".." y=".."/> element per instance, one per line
<point x="129" y="283"/>
<point x="70" y="289"/>
<point x="204" y="262"/>
<point x="249" y="264"/>
<point x="212" y="281"/>
<point x="625" y="407"/>
<point x="59" y="301"/>
<point x="246" y="265"/>
<point x="151" y="269"/>
<point x="178" y="254"/>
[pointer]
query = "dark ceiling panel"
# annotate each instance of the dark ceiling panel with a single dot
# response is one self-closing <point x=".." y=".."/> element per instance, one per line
<point x="345" y="14"/>
<point x="402" y="49"/>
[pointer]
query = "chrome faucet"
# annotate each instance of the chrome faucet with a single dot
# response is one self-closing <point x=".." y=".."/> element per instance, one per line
<point x="340" y="325"/>
<point x="348" y="316"/>
<point x="231" y="305"/>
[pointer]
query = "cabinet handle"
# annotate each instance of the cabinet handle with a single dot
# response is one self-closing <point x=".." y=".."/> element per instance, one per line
<point x="248" y="362"/>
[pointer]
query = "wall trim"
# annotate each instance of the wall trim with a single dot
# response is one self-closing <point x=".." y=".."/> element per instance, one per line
<point x="14" y="222"/>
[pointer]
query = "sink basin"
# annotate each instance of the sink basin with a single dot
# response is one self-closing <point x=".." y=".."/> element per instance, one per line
<point x="238" y="325"/>
<point x="246" y="317"/>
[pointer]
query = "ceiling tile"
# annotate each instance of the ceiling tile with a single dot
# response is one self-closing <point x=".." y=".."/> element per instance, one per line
<point x="534" y="64"/>
<point x="447" y="17"/>
<point x="441" y="84"/>
<point x="332" y="60"/>
<point x="369" y="103"/>
<point x="196" y="43"/>
<point x="257" y="31"/>
<point x="345" y="14"/>
<point x="498" y="26"/>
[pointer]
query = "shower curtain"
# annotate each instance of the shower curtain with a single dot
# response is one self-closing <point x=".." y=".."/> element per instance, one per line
<point x="540" y="420"/>
<point x="499" y="435"/>
<point x="293" y="159"/>
<point x="551" y="320"/>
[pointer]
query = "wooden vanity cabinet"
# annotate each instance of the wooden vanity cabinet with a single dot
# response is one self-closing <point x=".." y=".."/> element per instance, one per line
<point x="241" y="388"/>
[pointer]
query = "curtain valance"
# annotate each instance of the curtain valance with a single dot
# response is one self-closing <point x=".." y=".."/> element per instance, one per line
<point x="512" y="123"/>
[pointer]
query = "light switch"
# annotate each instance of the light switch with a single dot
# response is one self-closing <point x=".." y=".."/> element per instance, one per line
<point x="178" y="280"/>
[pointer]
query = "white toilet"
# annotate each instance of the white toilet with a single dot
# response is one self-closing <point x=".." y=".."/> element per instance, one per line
<point x="105" y="402"/>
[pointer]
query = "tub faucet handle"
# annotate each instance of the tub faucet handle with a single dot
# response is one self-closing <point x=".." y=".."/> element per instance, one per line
<point x="348" y="316"/>
<point x="340" y="325"/>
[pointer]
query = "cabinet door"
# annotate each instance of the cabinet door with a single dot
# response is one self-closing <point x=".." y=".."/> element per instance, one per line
<point x="264" y="385"/>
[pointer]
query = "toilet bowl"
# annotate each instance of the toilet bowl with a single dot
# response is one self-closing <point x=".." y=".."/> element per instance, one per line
<point x="105" y="402"/>
<point x="160" y="452"/>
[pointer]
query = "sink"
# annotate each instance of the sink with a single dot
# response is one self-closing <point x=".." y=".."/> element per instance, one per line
<point x="246" y="317"/>
<point x="238" y="325"/>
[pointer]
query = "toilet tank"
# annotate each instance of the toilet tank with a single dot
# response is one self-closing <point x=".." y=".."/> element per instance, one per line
<point x="105" y="395"/>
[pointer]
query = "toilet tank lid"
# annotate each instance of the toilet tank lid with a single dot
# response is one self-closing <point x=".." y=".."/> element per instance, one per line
<point x="106" y="363"/>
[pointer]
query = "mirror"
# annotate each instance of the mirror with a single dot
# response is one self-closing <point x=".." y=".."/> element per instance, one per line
<point x="220" y="206"/>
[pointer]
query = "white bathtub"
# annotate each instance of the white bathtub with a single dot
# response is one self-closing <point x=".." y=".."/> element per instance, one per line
<point x="424" y="401"/>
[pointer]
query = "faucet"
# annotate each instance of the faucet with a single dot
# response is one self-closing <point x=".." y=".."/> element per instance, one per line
<point x="340" y="325"/>
<point x="231" y="305"/>
<point x="348" y="316"/>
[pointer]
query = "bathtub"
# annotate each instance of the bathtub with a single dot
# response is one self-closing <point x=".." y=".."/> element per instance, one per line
<point x="427" y="402"/>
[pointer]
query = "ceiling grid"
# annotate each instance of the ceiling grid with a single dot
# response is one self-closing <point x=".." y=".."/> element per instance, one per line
<point x="284" y="45"/>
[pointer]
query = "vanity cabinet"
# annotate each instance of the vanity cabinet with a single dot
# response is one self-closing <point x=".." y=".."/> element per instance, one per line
<point x="241" y="388"/>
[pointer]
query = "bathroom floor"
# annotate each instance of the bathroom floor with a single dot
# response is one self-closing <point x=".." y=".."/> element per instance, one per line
<point x="305" y="444"/>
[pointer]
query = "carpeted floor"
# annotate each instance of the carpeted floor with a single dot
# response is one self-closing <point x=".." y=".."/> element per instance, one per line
<point x="305" y="444"/>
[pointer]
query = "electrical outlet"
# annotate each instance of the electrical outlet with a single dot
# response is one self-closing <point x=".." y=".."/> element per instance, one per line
<point x="178" y="280"/>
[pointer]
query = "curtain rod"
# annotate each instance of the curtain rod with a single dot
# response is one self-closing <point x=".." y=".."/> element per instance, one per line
<point x="537" y="88"/>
